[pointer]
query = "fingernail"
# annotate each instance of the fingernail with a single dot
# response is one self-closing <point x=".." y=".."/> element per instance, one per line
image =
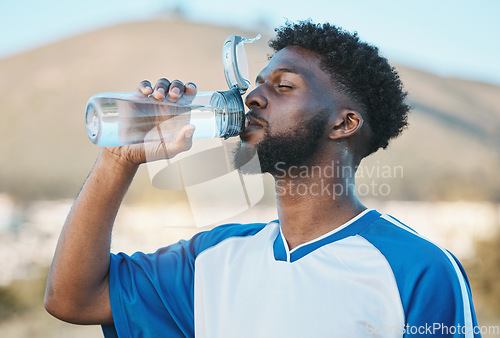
<point x="189" y="133"/>
<point x="161" y="90"/>
<point x="175" y="91"/>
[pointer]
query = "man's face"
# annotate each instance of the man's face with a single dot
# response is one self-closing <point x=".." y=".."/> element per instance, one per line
<point x="289" y="111"/>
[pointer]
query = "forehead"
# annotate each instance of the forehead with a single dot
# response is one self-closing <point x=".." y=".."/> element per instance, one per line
<point x="301" y="61"/>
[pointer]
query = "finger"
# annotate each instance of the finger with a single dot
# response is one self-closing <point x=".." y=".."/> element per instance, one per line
<point x="190" y="89"/>
<point x="187" y="132"/>
<point x="161" y="88"/>
<point x="183" y="141"/>
<point x="175" y="91"/>
<point x="144" y="88"/>
<point x="185" y="137"/>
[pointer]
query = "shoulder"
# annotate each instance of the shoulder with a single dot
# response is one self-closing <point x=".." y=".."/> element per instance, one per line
<point x="402" y="245"/>
<point x="188" y="250"/>
<point x="410" y="255"/>
<point x="431" y="282"/>
<point x="208" y="239"/>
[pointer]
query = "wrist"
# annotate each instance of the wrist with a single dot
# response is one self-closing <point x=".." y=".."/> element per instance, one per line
<point x="116" y="164"/>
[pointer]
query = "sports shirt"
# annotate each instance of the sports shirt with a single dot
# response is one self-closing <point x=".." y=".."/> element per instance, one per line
<point x="372" y="276"/>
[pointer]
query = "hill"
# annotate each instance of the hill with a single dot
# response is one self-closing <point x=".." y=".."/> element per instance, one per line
<point x="451" y="150"/>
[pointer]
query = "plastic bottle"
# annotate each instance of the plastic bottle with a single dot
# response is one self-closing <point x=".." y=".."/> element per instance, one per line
<point x="117" y="119"/>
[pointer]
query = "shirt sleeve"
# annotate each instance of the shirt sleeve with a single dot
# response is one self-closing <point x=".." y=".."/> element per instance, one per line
<point x="441" y="302"/>
<point x="153" y="293"/>
<point x="434" y="290"/>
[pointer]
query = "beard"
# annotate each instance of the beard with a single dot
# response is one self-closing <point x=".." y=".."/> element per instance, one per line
<point x="293" y="147"/>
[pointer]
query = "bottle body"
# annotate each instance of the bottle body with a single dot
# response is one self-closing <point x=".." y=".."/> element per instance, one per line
<point x="117" y="119"/>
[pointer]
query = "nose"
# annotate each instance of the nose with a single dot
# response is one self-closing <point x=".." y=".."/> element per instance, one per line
<point x="256" y="99"/>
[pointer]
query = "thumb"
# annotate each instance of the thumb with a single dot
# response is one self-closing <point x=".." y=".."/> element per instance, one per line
<point x="184" y="139"/>
<point x="187" y="131"/>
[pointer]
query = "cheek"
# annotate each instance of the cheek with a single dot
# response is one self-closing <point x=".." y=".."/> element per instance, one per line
<point x="283" y="127"/>
<point x="281" y="122"/>
<point x="287" y="113"/>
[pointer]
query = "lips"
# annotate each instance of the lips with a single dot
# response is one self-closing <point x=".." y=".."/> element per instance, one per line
<point x="252" y="124"/>
<point x="253" y="121"/>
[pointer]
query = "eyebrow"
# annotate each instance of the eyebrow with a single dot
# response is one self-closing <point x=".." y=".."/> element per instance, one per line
<point x="279" y="70"/>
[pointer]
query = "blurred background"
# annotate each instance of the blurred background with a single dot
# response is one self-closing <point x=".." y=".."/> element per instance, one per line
<point x="441" y="177"/>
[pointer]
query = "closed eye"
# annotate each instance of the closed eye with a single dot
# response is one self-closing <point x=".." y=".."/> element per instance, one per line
<point x="285" y="86"/>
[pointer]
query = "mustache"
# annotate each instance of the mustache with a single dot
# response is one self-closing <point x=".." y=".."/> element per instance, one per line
<point x="255" y="116"/>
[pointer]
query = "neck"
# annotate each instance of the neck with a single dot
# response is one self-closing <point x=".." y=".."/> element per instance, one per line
<point x="312" y="202"/>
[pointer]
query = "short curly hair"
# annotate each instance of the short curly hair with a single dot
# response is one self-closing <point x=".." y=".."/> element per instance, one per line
<point x="356" y="69"/>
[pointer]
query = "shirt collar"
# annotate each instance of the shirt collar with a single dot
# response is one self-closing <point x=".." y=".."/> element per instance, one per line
<point x="350" y="228"/>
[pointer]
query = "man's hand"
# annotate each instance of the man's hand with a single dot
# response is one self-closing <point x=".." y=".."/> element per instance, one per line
<point x="164" y="90"/>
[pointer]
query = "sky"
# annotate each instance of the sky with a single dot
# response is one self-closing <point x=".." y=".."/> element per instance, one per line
<point x="453" y="38"/>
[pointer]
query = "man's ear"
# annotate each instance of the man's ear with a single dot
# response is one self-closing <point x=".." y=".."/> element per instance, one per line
<point x="345" y="124"/>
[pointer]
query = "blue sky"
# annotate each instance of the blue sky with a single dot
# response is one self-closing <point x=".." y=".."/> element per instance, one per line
<point x="456" y="38"/>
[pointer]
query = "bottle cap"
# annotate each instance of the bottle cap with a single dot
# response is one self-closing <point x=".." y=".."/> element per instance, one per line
<point x="235" y="62"/>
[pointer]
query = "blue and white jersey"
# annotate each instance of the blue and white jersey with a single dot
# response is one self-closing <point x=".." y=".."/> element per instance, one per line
<point x="372" y="276"/>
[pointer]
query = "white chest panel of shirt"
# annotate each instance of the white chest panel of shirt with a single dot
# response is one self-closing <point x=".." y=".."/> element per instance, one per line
<point x="343" y="289"/>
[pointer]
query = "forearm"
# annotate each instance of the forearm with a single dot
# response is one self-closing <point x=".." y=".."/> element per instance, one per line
<point x="78" y="278"/>
<point x="78" y="285"/>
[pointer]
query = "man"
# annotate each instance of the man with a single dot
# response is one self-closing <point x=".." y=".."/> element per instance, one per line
<point x="328" y="267"/>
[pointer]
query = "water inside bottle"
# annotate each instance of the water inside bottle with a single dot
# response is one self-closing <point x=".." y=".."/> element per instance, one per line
<point x="116" y="122"/>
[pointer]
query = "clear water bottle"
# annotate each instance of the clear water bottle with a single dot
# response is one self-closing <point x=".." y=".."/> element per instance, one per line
<point x="116" y="119"/>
